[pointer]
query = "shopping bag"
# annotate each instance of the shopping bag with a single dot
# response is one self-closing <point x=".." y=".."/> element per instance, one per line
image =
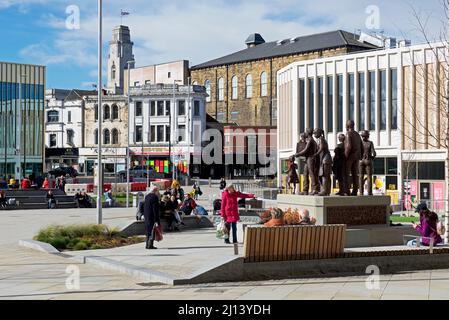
<point x="222" y="231"/>
<point x="157" y="230"/>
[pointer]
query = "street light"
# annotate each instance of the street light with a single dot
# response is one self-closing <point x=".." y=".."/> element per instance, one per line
<point x="100" y="113"/>
<point x="128" y="153"/>
<point x="19" y="131"/>
<point x="173" y="125"/>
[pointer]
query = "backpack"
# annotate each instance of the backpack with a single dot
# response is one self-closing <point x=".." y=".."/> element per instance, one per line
<point x="441" y="228"/>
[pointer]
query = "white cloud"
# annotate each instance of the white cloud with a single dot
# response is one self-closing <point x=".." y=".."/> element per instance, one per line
<point x="202" y="30"/>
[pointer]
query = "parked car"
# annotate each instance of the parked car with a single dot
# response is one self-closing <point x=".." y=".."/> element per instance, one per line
<point x="140" y="172"/>
<point x="64" y="171"/>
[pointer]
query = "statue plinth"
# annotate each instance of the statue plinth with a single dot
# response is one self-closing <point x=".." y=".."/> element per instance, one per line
<point x="352" y="211"/>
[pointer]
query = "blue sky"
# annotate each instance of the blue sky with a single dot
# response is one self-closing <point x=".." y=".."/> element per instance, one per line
<point x="34" y="31"/>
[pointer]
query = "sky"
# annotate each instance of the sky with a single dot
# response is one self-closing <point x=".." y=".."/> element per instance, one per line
<point x="48" y="32"/>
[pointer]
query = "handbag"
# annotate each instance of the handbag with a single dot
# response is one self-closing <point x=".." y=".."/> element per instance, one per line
<point x="157" y="233"/>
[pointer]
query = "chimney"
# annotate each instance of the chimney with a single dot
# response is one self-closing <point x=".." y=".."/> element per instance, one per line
<point x="254" y="40"/>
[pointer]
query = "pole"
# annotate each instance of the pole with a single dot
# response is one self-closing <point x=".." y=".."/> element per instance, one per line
<point x="188" y="127"/>
<point x="128" y="153"/>
<point x="173" y="131"/>
<point x="100" y="113"/>
<point x="19" y="132"/>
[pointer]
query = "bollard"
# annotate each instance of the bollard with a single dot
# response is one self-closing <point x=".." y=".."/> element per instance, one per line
<point x="236" y="249"/>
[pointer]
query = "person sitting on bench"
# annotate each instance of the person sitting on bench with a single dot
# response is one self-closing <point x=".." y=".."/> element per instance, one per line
<point x="3" y="202"/>
<point x="188" y="205"/>
<point x="51" y="201"/>
<point x="109" y="199"/>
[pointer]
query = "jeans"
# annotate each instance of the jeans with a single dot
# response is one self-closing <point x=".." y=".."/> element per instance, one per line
<point x="232" y="225"/>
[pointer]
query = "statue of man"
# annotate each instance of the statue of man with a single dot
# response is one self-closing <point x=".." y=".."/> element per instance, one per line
<point x="325" y="163"/>
<point x="339" y="166"/>
<point x="310" y="169"/>
<point x="353" y="154"/>
<point x="367" y="162"/>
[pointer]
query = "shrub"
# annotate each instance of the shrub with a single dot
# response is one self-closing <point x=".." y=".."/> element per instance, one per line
<point x="81" y="246"/>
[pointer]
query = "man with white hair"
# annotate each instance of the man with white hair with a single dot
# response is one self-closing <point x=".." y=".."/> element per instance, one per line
<point x="152" y="215"/>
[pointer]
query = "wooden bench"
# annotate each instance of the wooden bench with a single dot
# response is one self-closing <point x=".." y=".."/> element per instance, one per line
<point x="288" y="243"/>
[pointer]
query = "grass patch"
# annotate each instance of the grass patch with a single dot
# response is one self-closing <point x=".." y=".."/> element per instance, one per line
<point x="84" y="237"/>
<point x="398" y="219"/>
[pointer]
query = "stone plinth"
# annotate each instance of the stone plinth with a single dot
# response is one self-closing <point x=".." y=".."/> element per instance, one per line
<point x="352" y="211"/>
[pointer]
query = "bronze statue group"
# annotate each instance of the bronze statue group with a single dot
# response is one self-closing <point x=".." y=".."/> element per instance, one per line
<point x="353" y="159"/>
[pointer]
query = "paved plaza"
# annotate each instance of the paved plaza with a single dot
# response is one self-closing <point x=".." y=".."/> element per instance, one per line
<point x="29" y="274"/>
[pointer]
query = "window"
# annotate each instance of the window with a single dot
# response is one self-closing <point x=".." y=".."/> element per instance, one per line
<point x="311" y="103"/>
<point x="220" y="117"/>
<point x="115" y="112"/>
<point x="392" y="166"/>
<point x="249" y="86"/>
<point x="208" y="91"/>
<point x="302" y="110"/>
<point x="383" y="100"/>
<point x="136" y="84"/>
<point x="196" y="108"/>
<point x="181" y="108"/>
<point x="152" y="108"/>
<point x="320" y="103"/>
<point x="96" y="136"/>
<point x="52" y="116"/>
<point x="113" y="70"/>
<point x="351" y="83"/>
<point x="96" y="112"/>
<point x="379" y="166"/>
<point x="340" y="103"/>
<point x="372" y="100"/>
<point x="362" y="110"/>
<point x="106" y="137"/>
<point x="147" y="82"/>
<point x="52" y="140"/>
<point x="69" y="116"/>
<point x="263" y="84"/>
<point x="153" y="133"/>
<point x="431" y="170"/>
<point x="394" y="99"/>
<point x="235" y="88"/>
<point x="106" y="112"/>
<point x="160" y="134"/>
<point x="70" y="137"/>
<point x="234" y="116"/>
<point x="182" y="133"/>
<point x="169" y="75"/>
<point x="115" y="137"/>
<point x="167" y="107"/>
<point x="221" y="89"/>
<point x="167" y="133"/>
<point x="139" y="134"/>
<point x="330" y="104"/>
<point x="138" y="109"/>
<point x="160" y="108"/>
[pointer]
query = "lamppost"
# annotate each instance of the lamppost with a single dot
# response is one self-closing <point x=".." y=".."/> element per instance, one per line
<point x="173" y="125"/>
<point x="128" y="153"/>
<point x="100" y="113"/>
<point x="19" y="132"/>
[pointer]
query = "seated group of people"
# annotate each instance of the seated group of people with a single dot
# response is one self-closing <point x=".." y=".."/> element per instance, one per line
<point x="83" y="200"/>
<point x="277" y="218"/>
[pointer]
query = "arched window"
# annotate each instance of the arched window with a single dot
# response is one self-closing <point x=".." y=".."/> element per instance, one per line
<point x="52" y="116"/>
<point x="235" y="87"/>
<point x="208" y="91"/>
<point x="113" y="71"/>
<point x="249" y="86"/>
<point x="107" y="113"/>
<point x="96" y="136"/>
<point x="96" y="112"/>
<point x="115" y="112"/>
<point x="106" y="137"/>
<point x="114" y="136"/>
<point x="221" y="89"/>
<point x="263" y="84"/>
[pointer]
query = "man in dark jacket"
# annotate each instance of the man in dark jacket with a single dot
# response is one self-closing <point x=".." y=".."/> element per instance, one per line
<point x="152" y="215"/>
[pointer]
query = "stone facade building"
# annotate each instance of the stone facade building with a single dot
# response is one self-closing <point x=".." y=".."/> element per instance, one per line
<point x="242" y="86"/>
<point x="114" y="135"/>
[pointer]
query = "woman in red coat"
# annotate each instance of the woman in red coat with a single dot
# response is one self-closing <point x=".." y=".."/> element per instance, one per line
<point x="230" y="209"/>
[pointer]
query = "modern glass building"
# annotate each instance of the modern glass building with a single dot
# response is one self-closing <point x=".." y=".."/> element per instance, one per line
<point x="22" y="147"/>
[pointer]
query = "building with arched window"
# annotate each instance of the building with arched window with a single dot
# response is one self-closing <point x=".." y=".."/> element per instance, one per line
<point x="253" y="101"/>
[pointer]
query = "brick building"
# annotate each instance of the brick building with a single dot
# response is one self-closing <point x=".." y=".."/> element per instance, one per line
<point x="242" y="85"/>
